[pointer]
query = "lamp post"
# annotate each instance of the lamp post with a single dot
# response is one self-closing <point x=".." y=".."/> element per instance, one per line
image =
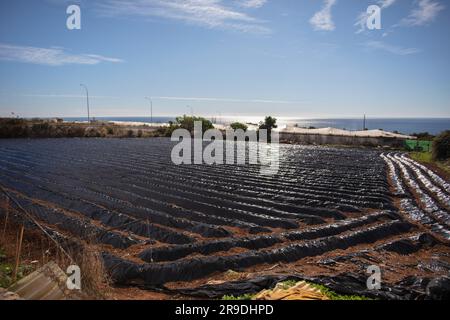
<point x="87" y="101"/>
<point x="192" y="110"/>
<point x="151" y="109"/>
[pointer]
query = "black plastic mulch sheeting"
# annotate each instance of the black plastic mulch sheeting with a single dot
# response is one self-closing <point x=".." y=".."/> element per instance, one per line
<point x="404" y="246"/>
<point x="92" y="211"/>
<point x="411" y="245"/>
<point x="171" y="253"/>
<point x="65" y="242"/>
<point x="410" y="288"/>
<point x="76" y="226"/>
<point x="314" y="177"/>
<point x="123" y="271"/>
<point x="64" y="199"/>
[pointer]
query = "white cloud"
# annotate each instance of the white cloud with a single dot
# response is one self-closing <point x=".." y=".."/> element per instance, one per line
<point x="206" y="13"/>
<point x="424" y="13"/>
<point x="54" y="56"/>
<point x="386" y="3"/>
<point x="323" y="20"/>
<point x="228" y="100"/>
<point x="252" y="3"/>
<point x="64" y="96"/>
<point x="379" y="45"/>
<point x="362" y="18"/>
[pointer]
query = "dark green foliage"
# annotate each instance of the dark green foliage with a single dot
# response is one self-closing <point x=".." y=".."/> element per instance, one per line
<point x="187" y="122"/>
<point x="13" y="128"/>
<point x="441" y="146"/>
<point x="239" y="125"/>
<point x="110" y="130"/>
<point x="269" y="124"/>
<point x="423" y="136"/>
<point x="41" y="130"/>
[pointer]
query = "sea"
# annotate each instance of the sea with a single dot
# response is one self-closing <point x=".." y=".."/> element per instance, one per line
<point x="406" y="125"/>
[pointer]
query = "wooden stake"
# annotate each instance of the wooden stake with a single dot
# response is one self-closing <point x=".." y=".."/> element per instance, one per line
<point x="19" y="249"/>
<point x="6" y="219"/>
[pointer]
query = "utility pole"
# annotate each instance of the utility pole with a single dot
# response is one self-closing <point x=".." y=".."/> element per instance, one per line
<point x="151" y="109"/>
<point x="87" y="101"/>
<point x="192" y="111"/>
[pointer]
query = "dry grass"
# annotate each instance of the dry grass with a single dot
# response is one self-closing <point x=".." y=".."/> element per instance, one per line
<point x="94" y="278"/>
<point x="38" y="250"/>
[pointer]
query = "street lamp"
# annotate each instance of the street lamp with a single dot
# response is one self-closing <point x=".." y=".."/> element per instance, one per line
<point x="151" y="109"/>
<point x="192" y="110"/>
<point x="87" y="101"/>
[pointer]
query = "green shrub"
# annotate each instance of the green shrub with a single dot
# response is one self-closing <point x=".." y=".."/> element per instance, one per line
<point x="335" y="296"/>
<point x="269" y="124"/>
<point x="242" y="297"/>
<point x="187" y="122"/>
<point x="423" y="136"/>
<point x="75" y="132"/>
<point x="239" y="125"/>
<point x="41" y="130"/>
<point x="167" y="132"/>
<point x="13" y="128"/>
<point x="441" y="146"/>
<point x="110" y="130"/>
<point x="95" y="133"/>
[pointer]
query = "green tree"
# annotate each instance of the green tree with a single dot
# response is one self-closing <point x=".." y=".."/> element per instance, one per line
<point x="187" y="122"/>
<point x="269" y="124"/>
<point x="423" y="136"/>
<point x="239" y="125"/>
<point x="441" y="146"/>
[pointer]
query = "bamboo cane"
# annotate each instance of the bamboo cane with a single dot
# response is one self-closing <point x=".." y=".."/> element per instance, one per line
<point x="19" y="249"/>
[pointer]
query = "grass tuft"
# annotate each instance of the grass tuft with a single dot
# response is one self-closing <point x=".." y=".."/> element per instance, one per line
<point x="241" y="297"/>
<point x="427" y="158"/>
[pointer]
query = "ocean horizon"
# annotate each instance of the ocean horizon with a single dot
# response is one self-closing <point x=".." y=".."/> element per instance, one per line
<point x="403" y="125"/>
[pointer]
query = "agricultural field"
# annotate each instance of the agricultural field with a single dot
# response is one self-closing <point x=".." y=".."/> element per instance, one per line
<point x="208" y="231"/>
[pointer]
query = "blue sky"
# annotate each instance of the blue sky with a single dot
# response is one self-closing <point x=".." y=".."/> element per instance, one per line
<point x="302" y="58"/>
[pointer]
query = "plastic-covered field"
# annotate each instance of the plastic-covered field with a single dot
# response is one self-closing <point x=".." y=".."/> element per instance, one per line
<point x="327" y="211"/>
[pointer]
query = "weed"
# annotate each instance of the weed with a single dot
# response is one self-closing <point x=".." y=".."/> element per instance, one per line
<point x="241" y="297"/>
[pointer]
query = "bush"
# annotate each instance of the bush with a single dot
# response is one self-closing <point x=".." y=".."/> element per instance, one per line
<point x="239" y="125"/>
<point x="269" y="124"/>
<point x="95" y="133"/>
<point x="41" y="129"/>
<point x="75" y="132"/>
<point x="441" y="146"/>
<point x="423" y="136"/>
<point x="186" y="122"/>
<point x="110" y="130"/>
<point x="13" y="128"/>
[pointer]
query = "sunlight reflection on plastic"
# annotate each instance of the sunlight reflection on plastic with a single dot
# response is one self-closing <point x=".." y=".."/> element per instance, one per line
<point x="265" y="151"/>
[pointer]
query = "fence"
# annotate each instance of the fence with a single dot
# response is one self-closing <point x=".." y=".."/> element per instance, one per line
<point x="418" y="145"/>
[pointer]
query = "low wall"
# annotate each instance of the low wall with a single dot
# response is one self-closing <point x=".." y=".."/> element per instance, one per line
<point x="319" y="139"/>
